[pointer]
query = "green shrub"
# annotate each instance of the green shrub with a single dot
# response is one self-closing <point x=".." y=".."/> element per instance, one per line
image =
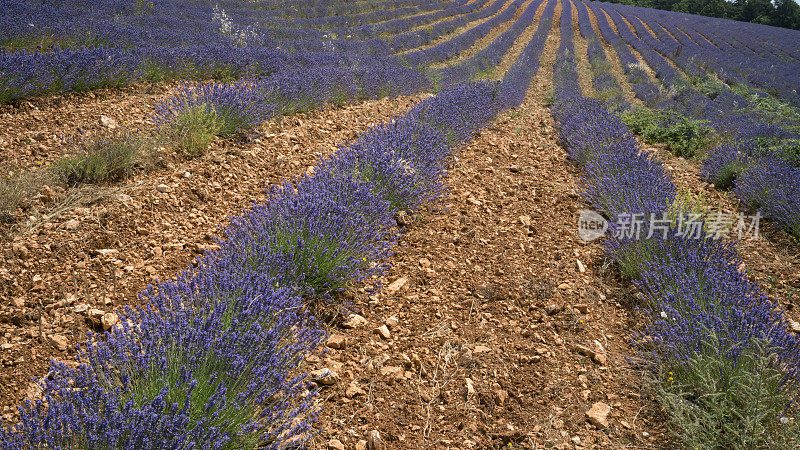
<point x="684" y="136"/>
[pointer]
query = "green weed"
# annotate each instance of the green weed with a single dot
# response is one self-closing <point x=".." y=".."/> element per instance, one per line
<point x="104" y="159"/>
<point x="684" y="136"/>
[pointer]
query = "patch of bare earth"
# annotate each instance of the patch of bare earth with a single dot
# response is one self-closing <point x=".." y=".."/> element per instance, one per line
<point x="489" y="332"/>
<point x="67" y="272"/>
<point x="41" y="130"/>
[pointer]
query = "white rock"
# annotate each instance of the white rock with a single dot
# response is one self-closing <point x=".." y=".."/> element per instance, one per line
<point x="109" y="320"/>
<point x="383" y="331"/>
<point x="354" y="321"/>
<point x="396" y="285"/>
<point x="470" y="387"/>
<point x="392" y="322"/>
<point x="59" y="341"/>
<point x="598" y="415"/>
<point x="108" y="122"/>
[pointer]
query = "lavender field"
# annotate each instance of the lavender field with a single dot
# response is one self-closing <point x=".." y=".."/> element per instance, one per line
<point x="363" y="224"/>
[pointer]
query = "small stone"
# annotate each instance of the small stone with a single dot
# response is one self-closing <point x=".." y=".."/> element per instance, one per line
<point x="108" y="122"/>
<point x="354" y="321"/>
<point x="81" y="308"/>
<point x="187" y="175"/>
<point x="402" y="218"/>
<point x="501" y="396"/>
<point x="598" y="415"/>
<point x="585" y="351"/>
<point x="325" y="377"/>
<point x="599" y="353"/>
<point x="59" y="341"/>
<point x="481" y="349"/>
<point x="552" y="309"/>
<point x="335" y="444"/>
<point x="374" y="441"/>
<point x="794" y="326"/>
<point x="109" y="320"/>
<point x="163" y="188"/>
<point x="72" y="224"/>
<point x="392" y="372"/>
<point x="470" y="387"/>
<point x="361" y="445"/>
<point x="581" y="267"/>
<point x="20" y="251"/>
<point x="337" y="341"/>
<point x="383" y="332"/>
<point x="46" y="194"/>
<point x="19" y="302"/>
<point x="645" y="434"/>
<point x="392" y="322"/>
<point x="38" y="283"/>
<point x="6" y="346"/>
<point x="353" y="389"/>
<point x="583" y="308"/>
<point x="396" y="285"/>
<point x="563" y="286"/>
<point x="103" y="252"/>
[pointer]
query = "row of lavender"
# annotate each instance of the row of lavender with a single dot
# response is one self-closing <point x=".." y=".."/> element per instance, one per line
<point x="111" y="43"/>
<point x="605" y="84"/>
<point x="213" y="358"/>
<point x="725" y="365"/>
<point x="756" y="158"/>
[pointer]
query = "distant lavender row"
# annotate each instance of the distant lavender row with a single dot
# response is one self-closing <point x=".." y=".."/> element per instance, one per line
<point x="642" y="88"/>
<point x="763" y="56"/>
<point x="452" y="47"/>
<point x="337" y="9"/>
<point x="233" y="46"/>
<point x="491" y="55"/>
<point x="357" y="20"/>
<point x="383" y="39"/>
<point x="211" y="360"/>
<point x="519" y="76"/>
<point x="605" y="84"/>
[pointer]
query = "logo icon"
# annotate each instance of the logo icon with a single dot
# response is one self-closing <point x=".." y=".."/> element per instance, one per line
<point x="591" y="225"/>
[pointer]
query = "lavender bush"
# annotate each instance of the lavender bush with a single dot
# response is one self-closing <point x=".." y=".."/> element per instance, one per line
<point x="177" y="375"/>
<point x="772" y="185"/>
